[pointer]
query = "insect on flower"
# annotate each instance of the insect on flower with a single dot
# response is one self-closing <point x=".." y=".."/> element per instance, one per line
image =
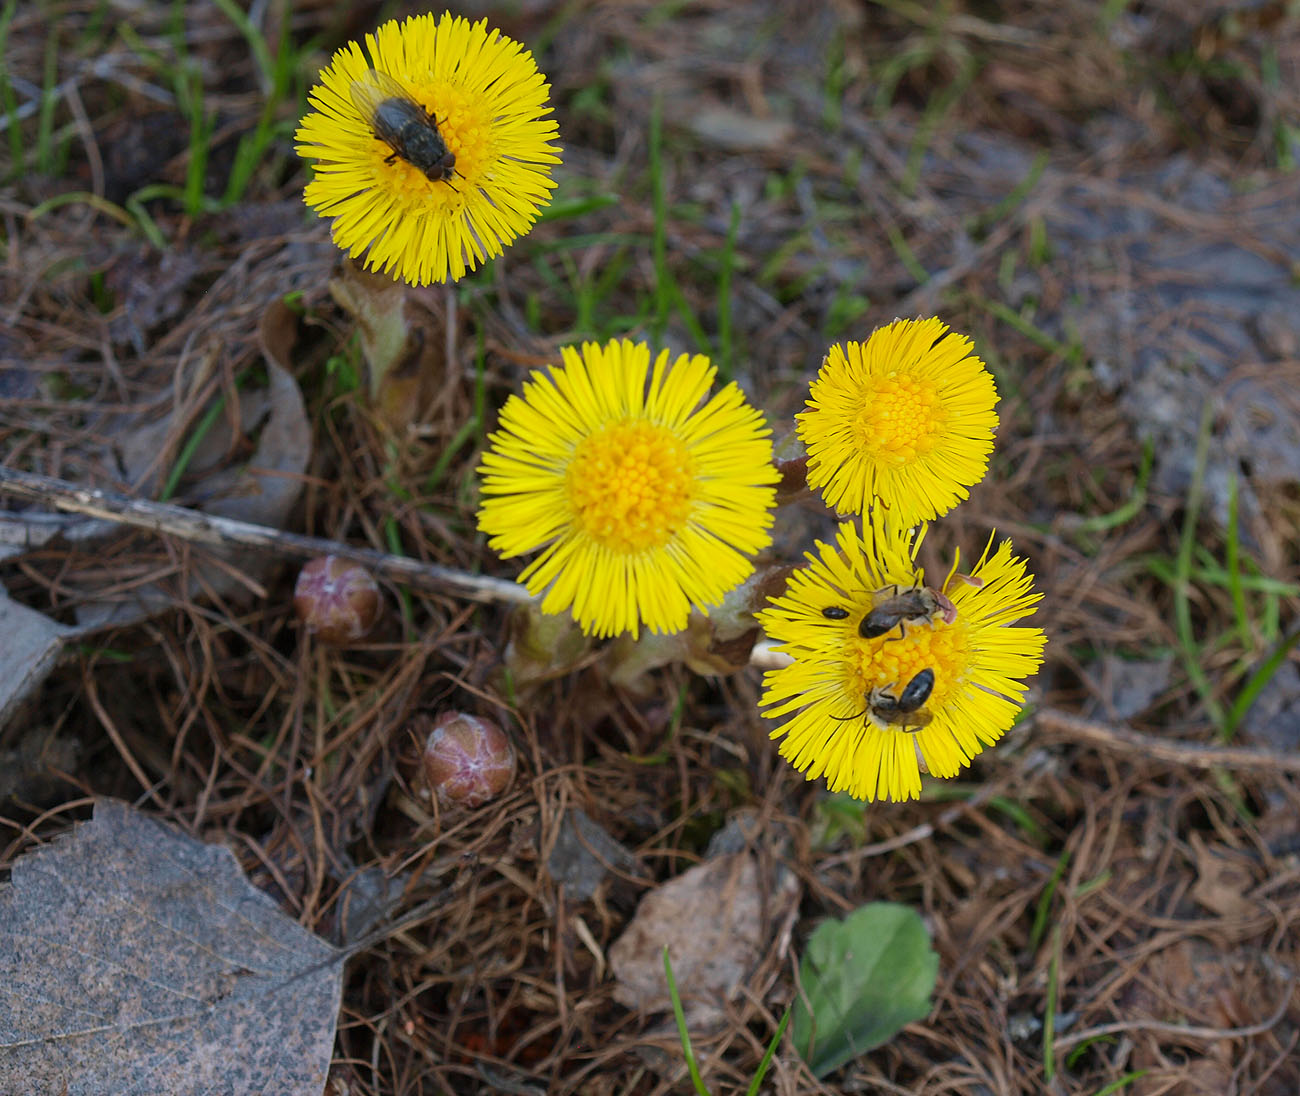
<point x="394" y="117"/>
<point x="404" y="125"/>
<point x="919" y="604"/>
<point x="954" y="683"/>
<point x="906" y="711"/>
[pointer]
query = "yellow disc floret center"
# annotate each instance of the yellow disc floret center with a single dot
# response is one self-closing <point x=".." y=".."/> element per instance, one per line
<point x="631" y="486"/>
<point x="901" y="418"/>
<point x="889" y="662"/>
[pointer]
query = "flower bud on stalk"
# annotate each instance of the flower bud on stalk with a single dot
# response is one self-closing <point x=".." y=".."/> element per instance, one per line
<point x="337" y="601"/>
<point x="467" y="760"/>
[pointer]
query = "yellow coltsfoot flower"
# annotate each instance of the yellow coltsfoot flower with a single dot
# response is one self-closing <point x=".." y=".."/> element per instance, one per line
<point x="645" y="499"/>
<point x="870" y="709"/>
<point x="905" y="418"/>
<point x="434" y="186"/>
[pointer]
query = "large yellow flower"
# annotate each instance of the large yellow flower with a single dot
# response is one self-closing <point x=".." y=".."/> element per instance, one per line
<point x="489" y="106"/>
<point x="905" y="418"/>
<point x="646" y="500"/>
<point x="841" y="693"/>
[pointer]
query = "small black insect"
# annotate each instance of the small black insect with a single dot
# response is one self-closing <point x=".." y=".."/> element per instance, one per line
<point x="908" y="703"/>
<point x="405" y="126"/>
<point x="917" y="604"/>
<point x="835" y="612"/>
<point x="905" y="711"/>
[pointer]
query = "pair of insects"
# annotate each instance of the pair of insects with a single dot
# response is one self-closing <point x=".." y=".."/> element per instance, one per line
<point x="906" y="709"/>
<point x="404" y="125"/>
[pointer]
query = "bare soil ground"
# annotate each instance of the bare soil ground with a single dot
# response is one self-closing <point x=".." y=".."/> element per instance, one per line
<point x="1104" y="195"/>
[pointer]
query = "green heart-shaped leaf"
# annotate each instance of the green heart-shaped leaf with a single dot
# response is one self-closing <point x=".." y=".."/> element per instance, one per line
<point x="864" y="978"/>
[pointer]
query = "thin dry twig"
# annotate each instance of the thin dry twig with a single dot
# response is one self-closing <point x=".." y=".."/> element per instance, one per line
<point x="219" y="532"/>
<point x="1189" y="1031"/>
<point x="1190" y="754"/>
<point x="922" y="832"/>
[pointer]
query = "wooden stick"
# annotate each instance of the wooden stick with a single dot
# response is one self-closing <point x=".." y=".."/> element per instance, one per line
<point x="1119" y="739"/>
<point x="219" y="532"/>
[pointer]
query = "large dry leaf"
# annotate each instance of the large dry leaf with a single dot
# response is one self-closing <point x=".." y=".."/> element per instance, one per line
<point x="135" y="959"/>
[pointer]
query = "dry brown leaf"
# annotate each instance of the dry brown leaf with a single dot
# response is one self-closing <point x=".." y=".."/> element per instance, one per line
<point x="1197" y="983"/>
<point x="1222" y="880"/>
<point x="134" y="958"/>
<point x="712" y="920"/>
<point x="402" y="341"/>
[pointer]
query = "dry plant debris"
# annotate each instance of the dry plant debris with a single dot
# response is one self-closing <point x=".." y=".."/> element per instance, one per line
<point x="1103" y="197"/>
<point x="712" y="918"/>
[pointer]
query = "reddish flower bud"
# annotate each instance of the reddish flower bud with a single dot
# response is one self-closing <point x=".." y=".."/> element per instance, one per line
<point x="467" y="760"/>
<point x="338" y="601"/>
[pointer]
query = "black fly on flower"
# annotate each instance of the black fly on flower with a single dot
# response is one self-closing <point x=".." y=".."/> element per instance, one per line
<point x="405" y="126"/>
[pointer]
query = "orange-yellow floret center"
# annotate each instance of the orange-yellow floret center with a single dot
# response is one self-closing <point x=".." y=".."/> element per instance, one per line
<point x="889" y="662"/>
<point x="631" y="486"/>
<point x="901" y="419"/>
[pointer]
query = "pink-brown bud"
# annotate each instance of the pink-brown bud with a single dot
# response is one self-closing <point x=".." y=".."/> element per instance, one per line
<point x="468" y="760"/>
<point x="338" y="601"/>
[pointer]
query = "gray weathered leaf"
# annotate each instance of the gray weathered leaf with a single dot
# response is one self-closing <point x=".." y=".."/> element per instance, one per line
<point x="26" y="532"/>
<point x="30" y="643"/>
<point x="137" y="960"/>
<point x="584" y="854"/>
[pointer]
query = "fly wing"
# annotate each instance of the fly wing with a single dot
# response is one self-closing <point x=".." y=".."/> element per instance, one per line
<point x="374" y="89"/>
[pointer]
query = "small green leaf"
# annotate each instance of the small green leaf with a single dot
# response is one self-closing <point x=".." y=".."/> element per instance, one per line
<point x="864" y="978"/>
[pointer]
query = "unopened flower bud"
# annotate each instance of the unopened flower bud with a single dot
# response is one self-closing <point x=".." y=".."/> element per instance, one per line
<point x="467" y="760"/>
<point x="791" y="459"/>
<point x="338" y="601"/>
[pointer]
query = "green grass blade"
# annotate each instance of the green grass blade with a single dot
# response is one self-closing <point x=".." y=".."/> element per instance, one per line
<point x="191" y="446"/>
<point x="935" y="109"/>
<point x="1255" y="685"/>
<point x="7" y="97"/>
<point x="1045" y="902"/>
<point x="45" y="117"/>
<point x="1049" y="1012"/>
<point x="1122" y="1082"/>
<point x="254" y="38"/>
<point x="682" y="1033"/>
<point x="1130" y="508"/>
<point x="767" y="1058"/>
<point x="1232" y="562"/>
<point x="1183" y="575"/>
<point x="726" y="348"/>
<point x="576" y="207"/>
